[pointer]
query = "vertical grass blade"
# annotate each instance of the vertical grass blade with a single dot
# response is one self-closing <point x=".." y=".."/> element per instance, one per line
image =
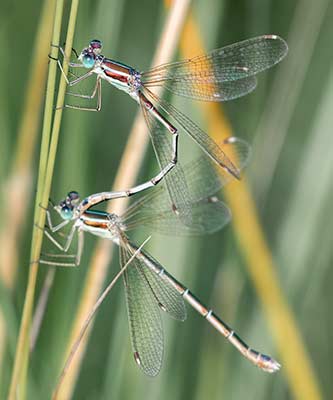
<point x="46" y="166"/>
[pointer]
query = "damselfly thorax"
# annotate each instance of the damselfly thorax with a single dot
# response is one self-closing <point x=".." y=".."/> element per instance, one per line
<point x="120" y="75"/>
<point x="102" y="224"/>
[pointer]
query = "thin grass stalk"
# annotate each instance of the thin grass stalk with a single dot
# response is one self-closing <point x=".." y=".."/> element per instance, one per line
<point x="46" y="132"/>
<point x="125" y="178"/>
<point x="57" y="121"/>
<point x="300" y="375"/>
<point x="46" y="166"/>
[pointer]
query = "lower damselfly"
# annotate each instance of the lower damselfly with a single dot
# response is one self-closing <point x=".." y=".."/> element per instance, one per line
<point x="149" y="287"/>
<point x="223" y="74"/>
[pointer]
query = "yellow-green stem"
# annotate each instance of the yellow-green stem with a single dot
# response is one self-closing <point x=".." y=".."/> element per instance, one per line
<point x="46" y="167"/>
<point x="17" y="384"/>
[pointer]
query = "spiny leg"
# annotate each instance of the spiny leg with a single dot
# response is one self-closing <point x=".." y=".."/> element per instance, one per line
<point x="89" y="96"/>
<point x="69" y="237"/>
<point x="58" y="263"/>
<point x="64" y="248"/>
<point x="71" y="64"/>
<point x="97" y="89"/>
<point x="79" y="79"/>
<point x="77" y="256"/>
<point x="51" y="226"/>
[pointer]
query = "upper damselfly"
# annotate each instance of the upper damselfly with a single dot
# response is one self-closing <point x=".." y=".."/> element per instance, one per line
<point x="223" y="74"/>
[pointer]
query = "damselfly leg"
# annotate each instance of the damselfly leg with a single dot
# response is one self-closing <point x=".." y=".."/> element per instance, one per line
<point x="63" y="247"/>
<point x="97" y="90"/>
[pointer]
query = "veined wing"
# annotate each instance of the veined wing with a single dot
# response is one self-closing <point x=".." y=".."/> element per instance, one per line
<point x="168" y="298"/>
<point x="207" y="144"/>
<point x="144" y="318"/>
<point x="203" y="179"/>
<point x="208" y="216"/>
<point x="214" y="76"/>
<point x="208" y="91"/>
<point x="147" y="293"/>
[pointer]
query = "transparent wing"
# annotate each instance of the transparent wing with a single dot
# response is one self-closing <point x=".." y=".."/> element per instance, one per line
<point x="208" y="216"/>
<point x="202" y="77"/>
<point x="198" y="135"/>
<point x="168" y="298"/>
<point x="147" y="293"/>
<point x="144" y="317"/>
<point x="203" y="181"/>
<point x="206" y="91"/>
<point x="176" y="184"/>
<point x="204" y="178"/>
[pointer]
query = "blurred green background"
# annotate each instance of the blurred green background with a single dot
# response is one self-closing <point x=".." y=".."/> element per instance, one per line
<point x="288" y="120"/>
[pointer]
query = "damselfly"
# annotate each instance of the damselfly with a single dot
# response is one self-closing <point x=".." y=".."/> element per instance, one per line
<point x="223" y="74"/>
<point x="148" y="286"/>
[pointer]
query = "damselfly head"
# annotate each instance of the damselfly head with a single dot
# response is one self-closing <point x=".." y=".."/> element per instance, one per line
<point x="67" y="207"/>
<point x="96" y="46"/>
<point x="89" y="54"/>
<point x="87" y="57"/>
<point x="73" y="197"/>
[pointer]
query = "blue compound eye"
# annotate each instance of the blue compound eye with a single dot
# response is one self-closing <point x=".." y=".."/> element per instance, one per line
<point x="88" y="60"/>
<point x="66" y="213"/>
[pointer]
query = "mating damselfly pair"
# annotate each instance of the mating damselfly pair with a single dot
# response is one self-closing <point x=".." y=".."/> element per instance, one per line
<point x="189" y="205"/>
